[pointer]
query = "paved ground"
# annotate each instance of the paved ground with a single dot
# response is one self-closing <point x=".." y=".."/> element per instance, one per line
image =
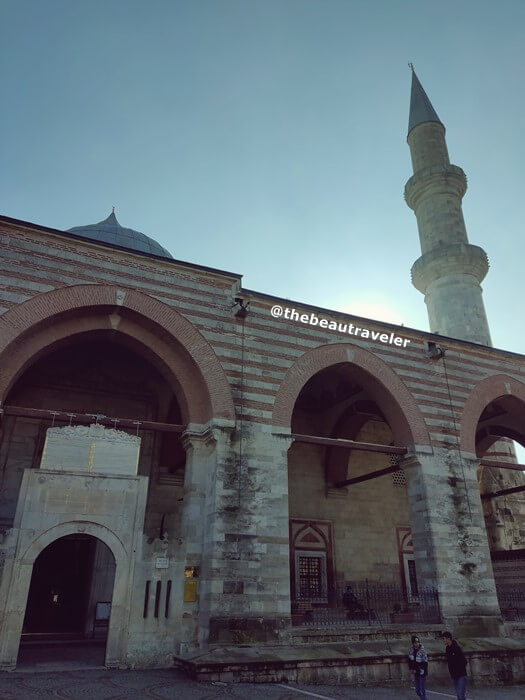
<point x="76" y="672"/>
<point x="101" y="684"/>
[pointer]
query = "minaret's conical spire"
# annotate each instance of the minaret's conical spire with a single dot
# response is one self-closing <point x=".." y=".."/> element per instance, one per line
<point x="421" y="109"/>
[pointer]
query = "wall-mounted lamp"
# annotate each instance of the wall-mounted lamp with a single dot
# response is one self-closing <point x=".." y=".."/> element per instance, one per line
<point x="242" y="307"/>
<point x="434" y="351"/>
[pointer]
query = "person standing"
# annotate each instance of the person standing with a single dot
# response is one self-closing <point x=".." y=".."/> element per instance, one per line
<point x="418" y="664"/>
<point x="457" y="665"/>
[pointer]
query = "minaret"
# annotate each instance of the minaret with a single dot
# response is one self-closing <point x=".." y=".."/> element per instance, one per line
<point x="450" y="269"/>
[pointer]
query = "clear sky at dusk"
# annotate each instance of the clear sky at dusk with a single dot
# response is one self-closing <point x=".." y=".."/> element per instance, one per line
<point x="268" y="137"/>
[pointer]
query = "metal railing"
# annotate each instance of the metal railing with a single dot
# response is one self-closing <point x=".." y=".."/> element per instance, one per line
<point x="360" y="603"/>
<point x="512" y="604"/>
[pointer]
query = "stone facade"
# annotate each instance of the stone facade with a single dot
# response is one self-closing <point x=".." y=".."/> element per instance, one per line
<point x="221" y="499"/>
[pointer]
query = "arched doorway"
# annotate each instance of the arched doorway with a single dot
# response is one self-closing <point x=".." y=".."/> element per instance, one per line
<point x="69" y="603"/>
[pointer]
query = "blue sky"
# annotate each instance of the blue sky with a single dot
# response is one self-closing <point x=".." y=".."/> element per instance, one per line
<point x="268" y="137"/>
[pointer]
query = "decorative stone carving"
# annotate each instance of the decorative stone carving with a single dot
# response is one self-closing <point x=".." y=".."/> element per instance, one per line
<point x="92" y="448"/>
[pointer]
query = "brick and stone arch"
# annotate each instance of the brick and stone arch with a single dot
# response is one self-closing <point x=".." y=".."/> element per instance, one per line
<point x="159" y="332"/>
<point x="503" y="393"/>
<point x="381" y="383"/>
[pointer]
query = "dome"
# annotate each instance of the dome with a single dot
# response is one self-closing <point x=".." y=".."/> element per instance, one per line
<point x="110" y="231"/>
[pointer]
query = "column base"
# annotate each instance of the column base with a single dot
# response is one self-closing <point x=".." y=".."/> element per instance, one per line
<point x="247" y="630"/>
<point x="479" y="626"/>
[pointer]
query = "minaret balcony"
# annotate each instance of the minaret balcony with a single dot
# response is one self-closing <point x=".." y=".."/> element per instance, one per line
<point x="449" y="179"/>
<point x="456" y="259"/>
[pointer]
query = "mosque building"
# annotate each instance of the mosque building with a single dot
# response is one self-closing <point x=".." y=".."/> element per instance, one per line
<point x="186" y="463"/>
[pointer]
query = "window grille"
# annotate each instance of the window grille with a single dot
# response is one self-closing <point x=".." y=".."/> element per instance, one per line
<point x="310" y="577"/>
<point x="398" y="478"/>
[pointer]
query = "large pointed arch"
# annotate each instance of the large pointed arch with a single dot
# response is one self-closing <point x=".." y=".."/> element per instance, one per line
<point x="499" y="387"/>
<point x="382" y="383"/>
<point x="157" y="330"/>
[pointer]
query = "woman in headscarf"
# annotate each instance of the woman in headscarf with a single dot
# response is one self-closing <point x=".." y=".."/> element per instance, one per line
<point x="418" y="664"/>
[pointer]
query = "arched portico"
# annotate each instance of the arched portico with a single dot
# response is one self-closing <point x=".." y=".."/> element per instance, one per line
<point x="495" y="409"/>
<point x="332" y="394"/>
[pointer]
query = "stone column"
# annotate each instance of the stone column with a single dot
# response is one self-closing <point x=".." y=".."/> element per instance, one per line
<point x="450" y="541"/>
<point x="236" y="530"/>
<point x="206" y="446"/>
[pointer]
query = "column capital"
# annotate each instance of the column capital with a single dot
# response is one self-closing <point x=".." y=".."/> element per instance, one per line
<point x="470" y="462"/>
<point x="284" y="434"/>
<point x="333" y="492"/>
<point x="197" y="435"/>
<point x="412" y="459"/>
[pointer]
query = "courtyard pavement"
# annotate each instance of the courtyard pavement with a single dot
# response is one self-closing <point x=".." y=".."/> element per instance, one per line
<point x="170" y="684"/>
<point x="76" y="672"/>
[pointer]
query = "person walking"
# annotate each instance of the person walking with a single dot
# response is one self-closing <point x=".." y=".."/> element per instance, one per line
<point x="418" y="664"/>
<point x="457" y="665"/>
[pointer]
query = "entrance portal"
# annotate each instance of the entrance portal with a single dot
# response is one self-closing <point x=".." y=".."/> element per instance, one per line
<point x="69" y="602"/>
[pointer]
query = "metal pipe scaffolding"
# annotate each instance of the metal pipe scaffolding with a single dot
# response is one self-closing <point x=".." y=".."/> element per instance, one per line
<point x="88" y="418"/>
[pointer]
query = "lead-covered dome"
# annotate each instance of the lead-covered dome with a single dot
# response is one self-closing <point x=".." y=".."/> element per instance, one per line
<point x="110" y="231"/>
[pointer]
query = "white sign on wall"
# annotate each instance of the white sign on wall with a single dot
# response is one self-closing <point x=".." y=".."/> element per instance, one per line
<point x="92" y="448"/>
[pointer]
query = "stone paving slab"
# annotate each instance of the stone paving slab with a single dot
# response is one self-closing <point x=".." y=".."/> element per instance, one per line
<point x="169" y="684"/>
<point x="491" y="661"/>
<point x="60" y="657"/>
<point x="344" y="650"/>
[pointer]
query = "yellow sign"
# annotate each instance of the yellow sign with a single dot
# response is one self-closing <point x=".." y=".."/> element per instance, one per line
<point x="190" y="590"/>
<point x="91" y="456"/>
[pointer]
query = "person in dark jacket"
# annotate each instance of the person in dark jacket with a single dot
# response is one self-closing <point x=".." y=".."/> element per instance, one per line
<point x="350" y="602"/>
<point x="457" y="665"/>
<point x="418" y="664"/>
